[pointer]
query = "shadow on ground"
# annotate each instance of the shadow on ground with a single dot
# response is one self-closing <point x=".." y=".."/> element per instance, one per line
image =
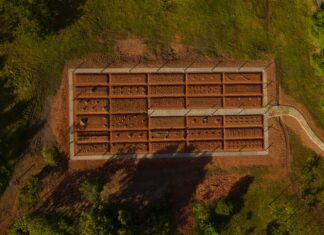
<point x="137" y="182"/>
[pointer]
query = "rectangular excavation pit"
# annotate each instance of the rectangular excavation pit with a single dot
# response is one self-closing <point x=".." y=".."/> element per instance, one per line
<point x="204" y="90"/>
<point x="205" y="102"/>
<point x="129" y="121"/>
<point x="129" y="148"/>
<point x="91" y="79"/>
<point x="168" y="147"/>
<point x="92" y="149"/>
<point x="92" y="136"/>
<point x="129" y="136"/>
<point x="156" y="78"/>
<point x="206" y="146"/>
<point x="242" y="145"/>
<point x="243" y="102"/>
<point x="256" y="132"/>
<point x="91" y="106"/>
<point x="167" y="90"/>
<point x="205" y="121"/>
<point x="246" y="120"/>
<point x="92" y="92"/>
<point x="194" y="134"/>
<point x="128" y="105"/>
<point x="135" y="78"/>
<point x="121" y="111"/>
<point x="168" y="134"/>
<point x="243" y="77"/>
<point x="241" y="89"/>
<point x="167" y="103"/>
<point x="167" y="122"/>
<point x="128" y="90"/>
<point x="204" y="77"/>
<point x="91" y="122"/>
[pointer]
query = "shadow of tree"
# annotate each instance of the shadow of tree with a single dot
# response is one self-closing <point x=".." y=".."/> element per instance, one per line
<point x="142" y="183"/>
<point x="55" y="15"/>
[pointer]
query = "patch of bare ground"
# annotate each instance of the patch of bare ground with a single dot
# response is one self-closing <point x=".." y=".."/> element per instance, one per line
<point x="59" y="118"/>
<point x="131" y="46"/>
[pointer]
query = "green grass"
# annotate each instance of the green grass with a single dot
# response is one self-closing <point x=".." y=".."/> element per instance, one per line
<point x="256" y="214"/>
<point x="33" y="53"/>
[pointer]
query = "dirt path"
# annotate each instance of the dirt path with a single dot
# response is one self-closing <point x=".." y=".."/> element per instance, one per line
<point x="9" y="211"/>
<point x="284" y="110"/>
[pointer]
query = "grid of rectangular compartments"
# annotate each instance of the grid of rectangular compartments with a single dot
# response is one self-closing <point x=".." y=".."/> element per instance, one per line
<point x="111" y="113"/>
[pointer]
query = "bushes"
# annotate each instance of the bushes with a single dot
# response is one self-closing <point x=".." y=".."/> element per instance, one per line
<point x="50" y="155"/>
<point x="212" y="219"/>
<point x="90" y="191"/>
<point x="311" y="182"/>
<point x="42" y="224"/>
<point x="28" y="194"/>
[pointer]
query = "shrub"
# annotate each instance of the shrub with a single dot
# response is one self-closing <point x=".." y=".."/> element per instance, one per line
<point x="28" y="194"/>
<point x="90" y="191"/>
<point x="50" y="155"/>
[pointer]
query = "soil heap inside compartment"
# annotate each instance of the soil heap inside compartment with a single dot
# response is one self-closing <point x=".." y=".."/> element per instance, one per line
<point x="111" y="113"/>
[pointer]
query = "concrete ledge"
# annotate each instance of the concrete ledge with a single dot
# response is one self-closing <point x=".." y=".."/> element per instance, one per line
<point x="174" y="155"/>
<point x="203" y="112"/>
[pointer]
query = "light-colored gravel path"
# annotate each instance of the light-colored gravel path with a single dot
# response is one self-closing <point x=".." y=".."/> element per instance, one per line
<point x="282" y="110"/>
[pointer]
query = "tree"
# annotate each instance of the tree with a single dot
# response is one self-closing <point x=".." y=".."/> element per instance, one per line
<point x="28" y="194"/>
<point x="50" y="155"/>
<point x="90" y="191"/>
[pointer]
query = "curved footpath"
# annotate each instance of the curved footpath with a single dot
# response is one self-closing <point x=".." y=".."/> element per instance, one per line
<point x="283" y="110"/>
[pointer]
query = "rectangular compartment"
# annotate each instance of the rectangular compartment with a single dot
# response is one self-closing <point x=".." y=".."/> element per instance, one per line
<point x="204" y="77"/>
<point x="241" y="89"/>
<point x="128" y="105"/>
<point x="123" y="121"/>
<point x="167" y="103"/>
<point x="194" y="134"/>
<point x="168" y="147"/>
<point x="204" y="90"/>
<point x="243" y="145"/>
<point x="129" y="135"/>
<point x="206" y="146"/>
<point x="93" y="136"/>
<point x="243" y="102"/>
<point x="91" y="105"/>
<point x="205" y="121"/>
<point x="244" y="132"/>
<point x="88" y="122"/>
<point x="243" y="120"/>
<point x="91" y="92"/>
<point x="92" y="149"/>
<point x="128" y="90"/>
<point x="167" y="122"/>
<point x="168" y="134"/>
<point x="167" y="78"/>
<point x="129" y="148"/>
<point x="205" y="102"/>
<point x="132" y="78"/>
<point x="91" y="79"/>
<point x="167" y="90"/>
<point x="243" y="77"/>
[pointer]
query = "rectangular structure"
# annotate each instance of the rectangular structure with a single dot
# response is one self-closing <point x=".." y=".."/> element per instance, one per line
<point x="166" y="113"/>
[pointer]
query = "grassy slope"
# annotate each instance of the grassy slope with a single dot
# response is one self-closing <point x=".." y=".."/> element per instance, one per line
<point x="254" y="29"/>
<point x="256" y="212"/>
